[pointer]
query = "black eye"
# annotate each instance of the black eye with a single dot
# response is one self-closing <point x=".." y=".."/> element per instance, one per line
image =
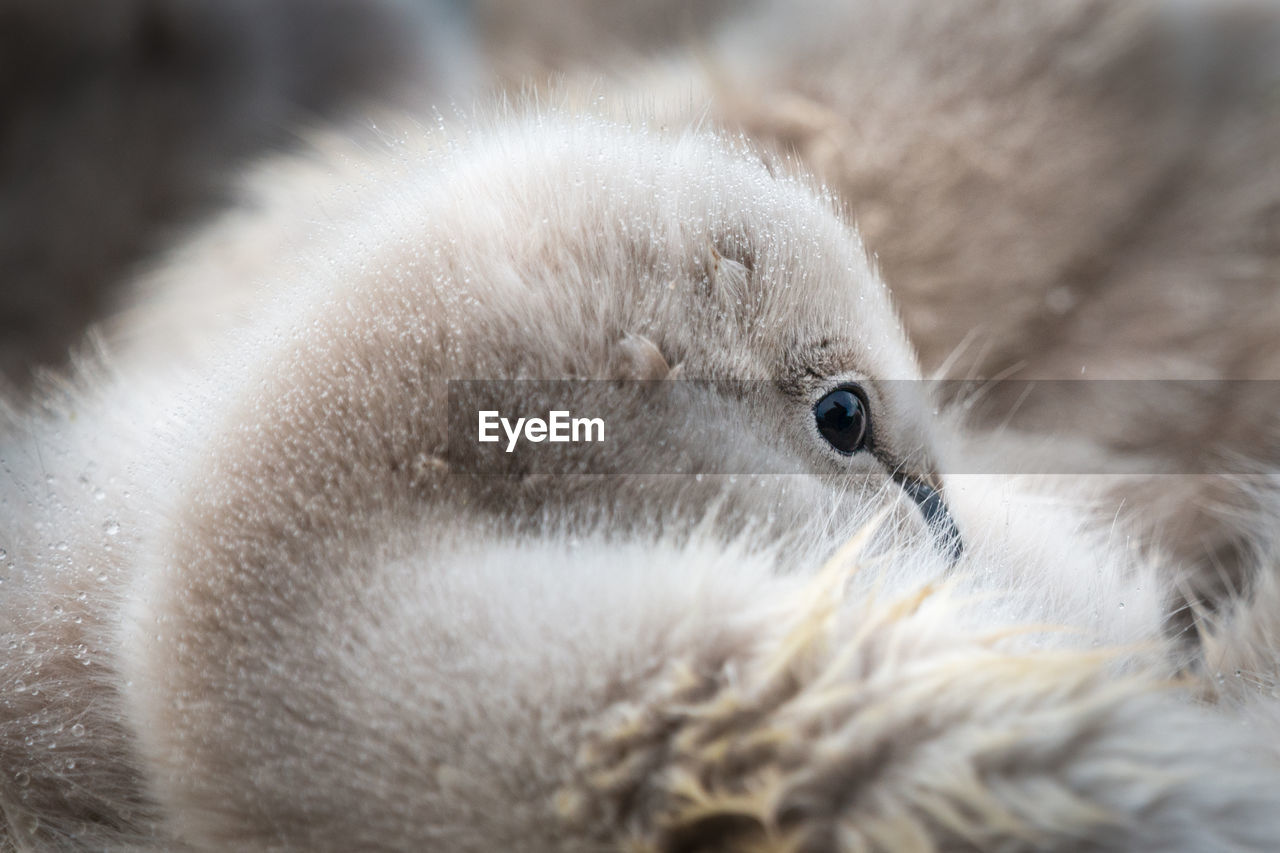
<point x="843" y="419"/>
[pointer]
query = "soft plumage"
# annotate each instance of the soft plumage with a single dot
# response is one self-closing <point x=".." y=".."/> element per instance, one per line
<point x="254" y="599"/>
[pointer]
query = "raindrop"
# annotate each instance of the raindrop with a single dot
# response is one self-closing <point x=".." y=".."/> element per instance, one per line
<point x="77" y="730"/>
<point x="111" y="528"/>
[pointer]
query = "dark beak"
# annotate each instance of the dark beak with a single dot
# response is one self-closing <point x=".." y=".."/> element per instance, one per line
<point x="936" y="515"/>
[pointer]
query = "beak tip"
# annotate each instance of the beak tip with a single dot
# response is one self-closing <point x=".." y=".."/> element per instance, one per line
<point x="936" y="515"/>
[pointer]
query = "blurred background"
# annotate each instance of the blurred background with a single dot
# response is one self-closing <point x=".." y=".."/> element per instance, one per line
<point x="122" y="123"/>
